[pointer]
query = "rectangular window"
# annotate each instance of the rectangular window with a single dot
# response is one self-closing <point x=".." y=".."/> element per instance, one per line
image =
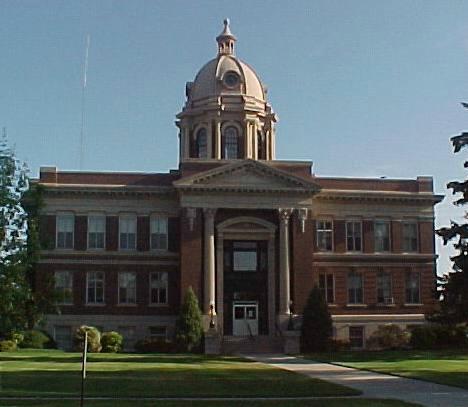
<point x="382" y="236"/>
<point x="158" y="287"/>
<point x="244" y="256"/>
<point x="356" y="337"/>
<point x="410" y="237"/>
<point x="327" y="286"/>
<point x="384" y="288"/>
<point x="413" y="295"/>
<point x="96" y="231"/>
<point x="354" y="236"/>
<point x="65" y="230"/>
<point x="95" y="287"/>
<point x="157" y="332"/>
<point x="128" y="335"/>
<point x="355" y="288"/>
<point x="158" y="226"/>
<point x="63" y="337"/>
<point x="64" y="286"/>
<point x="127" y="231"/>
<point x="325" y="235"/>
<point x="127" y="288"/>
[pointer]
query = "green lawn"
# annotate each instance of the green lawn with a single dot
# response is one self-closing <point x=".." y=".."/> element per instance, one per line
<point x="52" y="373"/>
<point x="445" y="367"/>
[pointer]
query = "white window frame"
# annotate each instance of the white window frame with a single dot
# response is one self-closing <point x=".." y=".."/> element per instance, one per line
<point x="348" y="287"/>
<point x="88" y="302"/>
<point x="385" y="274"/>
<point x="324" y="230"/>
<point x="163" y="327"/>
<point x="128" y="217"/>
<point x="154" y="224"/>
<point x="404" y="237"/>
<point x="325" y="288"/>
<point x="95" y="216"/>
<point x="388" y="223"/>
<point x="166" y="287"/>
<point x="225" y="138"/>
<point x="413" y="273"/>
<point x="120" y="278"/>
<point x="67" y="299"/>
<point x="363" y="330"/>
<point x="352" y="235"/>
<point x="69" y="215"/>
<point x="201" y="131"/>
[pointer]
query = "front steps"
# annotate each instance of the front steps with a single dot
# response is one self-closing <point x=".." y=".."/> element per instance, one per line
<point x="232" y="345"/>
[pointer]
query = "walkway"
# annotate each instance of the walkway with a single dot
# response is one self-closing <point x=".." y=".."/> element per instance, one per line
<point x="372" y="385"/>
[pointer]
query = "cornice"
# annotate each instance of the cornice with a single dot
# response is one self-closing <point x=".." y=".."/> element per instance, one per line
<point x="378" y="196"/>
<point x="106" y="190"/>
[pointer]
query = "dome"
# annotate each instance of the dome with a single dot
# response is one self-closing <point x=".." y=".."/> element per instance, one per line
<point x="211" y="78"/>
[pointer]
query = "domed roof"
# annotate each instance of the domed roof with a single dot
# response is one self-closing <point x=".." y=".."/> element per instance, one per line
<point x="226" y="74"/>
<point x="209" y="80"/>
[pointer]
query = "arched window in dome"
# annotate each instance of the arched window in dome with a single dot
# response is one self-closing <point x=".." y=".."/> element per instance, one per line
<point x="202" y="143"/>
<point x="231" y="143"/>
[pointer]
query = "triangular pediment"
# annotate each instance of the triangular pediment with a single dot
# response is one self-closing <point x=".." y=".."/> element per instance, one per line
<point x="248" y="175"/>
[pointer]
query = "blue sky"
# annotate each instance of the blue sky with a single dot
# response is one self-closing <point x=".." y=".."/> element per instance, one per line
<point x="362" y="88"/>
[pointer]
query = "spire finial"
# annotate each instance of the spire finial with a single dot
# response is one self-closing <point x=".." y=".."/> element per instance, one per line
<point x="226" y="40"/>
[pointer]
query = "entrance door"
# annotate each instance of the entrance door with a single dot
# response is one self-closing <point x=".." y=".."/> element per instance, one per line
<point x="245" y="318"/>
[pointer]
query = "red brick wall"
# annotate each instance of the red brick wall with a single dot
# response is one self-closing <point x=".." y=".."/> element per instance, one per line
<point x="47" y="231"/>
<point x="368" y="236"/>
<point x="143" y="233"/>
<point x="339" y="236"/>
<point x="81" y="230"/>
<point x="397" y="236"/>
<point x="112" y="232"/>
<point x="426" y="237"/>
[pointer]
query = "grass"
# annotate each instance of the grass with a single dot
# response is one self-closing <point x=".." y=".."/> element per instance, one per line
<point x="52" y="373"/>
<point x="444" y="367"/>
<point x="236" y="403"/>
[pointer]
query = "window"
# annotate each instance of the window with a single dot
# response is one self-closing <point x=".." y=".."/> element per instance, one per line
<point x="413" y="295"/>
<point x="356" y="337"/>
<point x="231" y="143"/>
<point x="96" y="231"/>
<point x="244" y="256"/>
<point x="127" y="288"/>
<point x="202" y="143"/>
<point x="128" y="335"/>
<point x="382" y="236"/>
<point x="327" y="286"/>
<point x="158" y="232"/>
<point x="384" y="288"/>
<point x="324" y="235"/>
<point x="64" y="286"/>
<point x="95" y="287"/>
<point x="354" y="288"/>
<point x="354" y="236"/>
<point x="410" y="237"/>
<point x="158" y="287"/>
<point x="63" y="337"/>
<point x="127" y="228"/>
<point x="65" y="229"/>
<point x="157" y="331"/>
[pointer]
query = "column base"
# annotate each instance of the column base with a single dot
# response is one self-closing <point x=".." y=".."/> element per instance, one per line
<point x="206" y="321"/>
<point x="212" y="342"/>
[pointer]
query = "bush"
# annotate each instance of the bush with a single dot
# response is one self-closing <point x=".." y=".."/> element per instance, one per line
<point x="388" y="337"/>
<point x="36" y="340"/>
<point x="338" y="345"/>
<point x="94" y="339"/>
<point x="8" y="346"/>
<point x="439" y="336"/>
<point x="189" y="330"/>
<point x="155" y="345"/>
<point x="111" y="342"/>
<point x="17" y="337"/>
<point x="316" y="323"/>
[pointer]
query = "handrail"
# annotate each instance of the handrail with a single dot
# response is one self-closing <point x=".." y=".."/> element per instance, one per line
<point x="250" y="329"/>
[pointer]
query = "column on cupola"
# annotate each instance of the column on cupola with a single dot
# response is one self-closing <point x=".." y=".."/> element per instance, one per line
<point x="254" y="141"/>
<point x="209" y="261"/>
<point x="186" y="140"/>
<point x="209" y="139"/>
<point x="218" y="142"/>
<point x="247" y="138"/>
<point x="285" y="290"/>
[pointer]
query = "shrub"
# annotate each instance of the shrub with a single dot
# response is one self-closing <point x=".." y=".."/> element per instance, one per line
<point x="8" y="345"/>
<point x="17" y="337"/>
<point x="439" y="336"/>
<point x="94" y="339"/>
<point x="36" y="340"/>
<point x="316" y="323"/>
<point x="338" y="345"/>
<point x="189" y="330"/>
<point x="388" y="337"/>
<point x="111" y="342"/>
<point x="155" y="345"/>
<point x="423" y="337"/>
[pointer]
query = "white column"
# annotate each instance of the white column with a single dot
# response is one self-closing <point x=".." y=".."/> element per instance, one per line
<point x="218" y="142"/>
<point x="209" y="139"/>
<point x="186" y="141"/>
<point x="209" y="254"/>
<point x="285" y="293"/>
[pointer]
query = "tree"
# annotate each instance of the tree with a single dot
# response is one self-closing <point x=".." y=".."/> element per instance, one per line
<point x="189" y="329"/>
<point x="316" y="323"/>
<point x="15" y="291"/>
<point x="454" y="285"/>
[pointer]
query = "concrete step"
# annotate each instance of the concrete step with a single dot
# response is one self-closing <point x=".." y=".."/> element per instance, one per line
<point x="251" y="344"/>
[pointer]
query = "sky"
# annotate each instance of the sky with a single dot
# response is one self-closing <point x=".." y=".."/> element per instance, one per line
<point x="361" y="88"/>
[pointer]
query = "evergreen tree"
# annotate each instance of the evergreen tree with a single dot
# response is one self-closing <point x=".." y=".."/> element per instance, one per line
<point x="316" y="323"/>
<point x="189" y="329"/>
<point x="454" y="285"/>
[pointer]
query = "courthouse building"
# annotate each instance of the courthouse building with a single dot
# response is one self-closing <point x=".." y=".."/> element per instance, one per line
<point x="250" y="234"/>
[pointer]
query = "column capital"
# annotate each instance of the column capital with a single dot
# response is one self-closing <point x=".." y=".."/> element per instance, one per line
<point x="209" y="212"/>
<point x="285" y="214"/>
<point x="191" y="214"/>
<point x="302" y="214"/>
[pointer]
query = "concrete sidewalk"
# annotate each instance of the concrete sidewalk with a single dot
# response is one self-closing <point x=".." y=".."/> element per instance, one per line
<point x="372" y="385"/>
